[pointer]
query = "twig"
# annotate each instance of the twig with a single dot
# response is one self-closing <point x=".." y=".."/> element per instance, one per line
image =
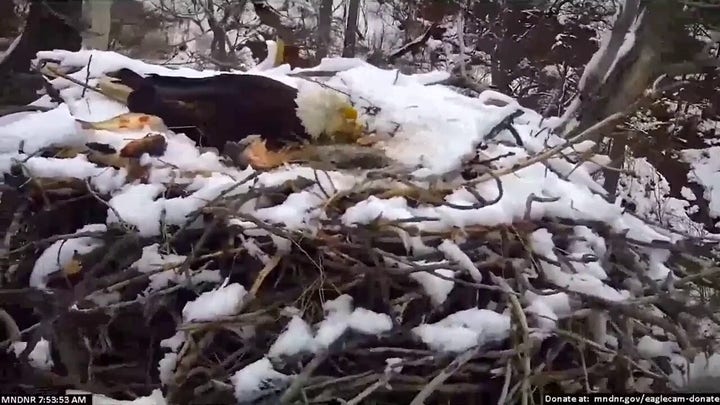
<point x="357" y="400"/>
<point x="57" y="73"/>
<point x="413" y="45"/>
<point x="269" y="267"/>
<point x="533" y="198"/>
<point x="595" y="129"/>
<point x="506" y="383"/>
<point x="11" y="327"/>
<point x="461" y="42"/>
<point x="524" y="354"/>
<point x="297" y="384"/>
<point x="55" y="238"/>
<point x="20" y="333"/>
<point x="22" y="108"/>
<point x="444" y="374"/>
<point x="87" y="77"/>
<point x="122" y="222"/>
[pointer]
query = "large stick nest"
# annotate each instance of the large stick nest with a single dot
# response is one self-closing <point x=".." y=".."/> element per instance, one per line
<point x="104" y="313"/>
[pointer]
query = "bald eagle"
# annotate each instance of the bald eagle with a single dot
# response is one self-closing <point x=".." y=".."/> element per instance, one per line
<point x="217" y="109"/>
<point x="226" y="108"/>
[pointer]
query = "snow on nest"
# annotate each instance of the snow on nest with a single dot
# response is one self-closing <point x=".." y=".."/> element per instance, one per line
<point x="210" y="305"/>
<point x="297" y="337"/>
<point x="106" y="61"/>
<point x="690" y="373"/>
<point x="164" y="269"/>
<point x="432" y="128"/>
<point x="465" y="329"/>
<point x="649" y="193"/>
<point x="166" y="365"/>
<point x="705" y="169"/>
<point x="61" y="252"/>
<point x="256" y="379"/>
<point x="39" y="357"/>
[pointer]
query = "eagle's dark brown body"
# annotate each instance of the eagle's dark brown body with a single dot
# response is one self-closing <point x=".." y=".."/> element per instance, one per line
<point x="217" y="109"/>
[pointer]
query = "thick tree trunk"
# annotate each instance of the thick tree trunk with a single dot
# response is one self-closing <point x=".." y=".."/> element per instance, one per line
<point x="54" y="24"/>
<point x="351" y="29"/>
<point x="324" y="30"/>
<point x="218" y="47"/>
<point x="98" y="12"/>
<point x="661" y="40"/>
<point x="9" y="23"/>
<point x="505" y="55"/>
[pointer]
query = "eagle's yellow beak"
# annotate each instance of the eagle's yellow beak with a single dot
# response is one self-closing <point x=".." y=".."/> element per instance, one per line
<point x="349" y="113"/>
<point x="116" y="91"/>
<point x="349" y="129"/>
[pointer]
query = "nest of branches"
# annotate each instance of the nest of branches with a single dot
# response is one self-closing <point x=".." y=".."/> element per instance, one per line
<point x="111" y="346"/>
<point x="589" y="307"/>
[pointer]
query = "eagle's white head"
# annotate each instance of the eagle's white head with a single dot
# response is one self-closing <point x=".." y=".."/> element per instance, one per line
<point x="325" y="111"/>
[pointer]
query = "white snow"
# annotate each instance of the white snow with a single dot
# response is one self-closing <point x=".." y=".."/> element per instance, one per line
<point x="295" y="339"/>
<point x="174" y="342"/>
<point x="588" y="245"/>
<point x="431" y="135"/>
<point x="167" y="365"/>
<point x="61" y="252"/>
<point x="166" y="368"/>
<point x="256" y="379"/>
<point x="106" y="61"/>
<point x="339" y="316"/>
<point x="454" y="253"/>
<point x="393" y="365"/>
<point x="650" y="347"/>
<point x="657" y="270"/>
<point x="688" y="194"/>
<point x="464" y="329"/>
<point x="211" y="305"/>
<point x="39" y="356"/>
<point x="152" y="261"/>
<point x="447" y="338"/>
<point x="705" y="164"/>
<point x="337" y="312"/>
<point x="103" y="179"/>
<point x="649" y="191"/>
<point x="368" y="322"/>
<point x="548" y="309"/>
<point x="10" y="118"/>
<point x="38" y="130"/>
<point x="435" y="287"/>
<point x="586" y="283"/>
